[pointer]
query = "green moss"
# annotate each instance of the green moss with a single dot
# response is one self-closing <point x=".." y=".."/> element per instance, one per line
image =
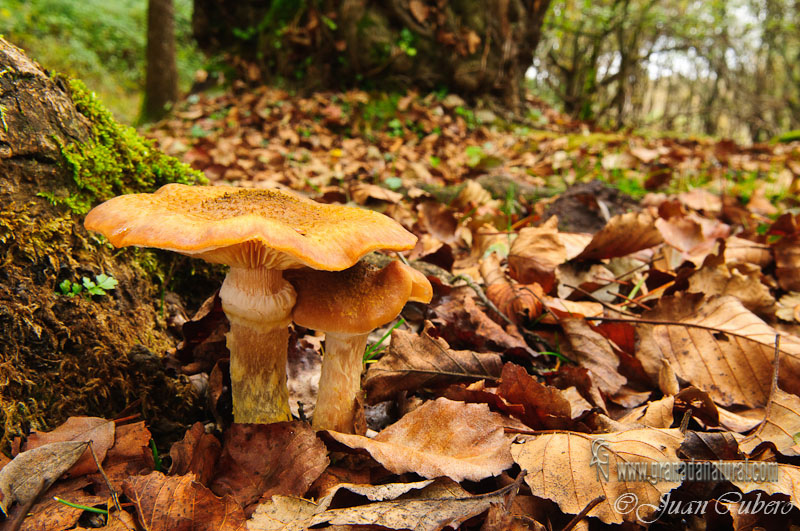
<point x="115" y="161"/>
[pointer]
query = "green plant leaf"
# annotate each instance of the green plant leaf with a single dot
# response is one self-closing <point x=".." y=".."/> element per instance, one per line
<point x="106" y="282"/>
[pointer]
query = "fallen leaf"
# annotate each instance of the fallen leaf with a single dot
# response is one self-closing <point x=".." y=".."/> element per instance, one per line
<point x="196" y="453"/>
<point x="695" y="237"/>
<point x="48" y="514"/>
<point x="432" y="513"/>
<point x="462" y="323"/>
<point x="787" y="262"/>
<point x="591" y="350"/>
<point x="180" y="503"/>
<point x="440" y="438"/>
<point x="741" y="251"/>
<point x="82" y="429"/>
<point x="536" y="253"/>
<point x="261" y="460"/>
<point x="780" y="425"/>
<point x="363" y="192"/>
<point x="742" y="281"/>
<point x="519" y="302"/>
<point x="717" y="345"/>
<point x="560" y="468"/>
<point x="131" y="455"/>
<point x="30" y="473"/>
<point x="419" y="10"/>
<point x="420" y="361"/>
<point x="544" y="407"/>
<point x="622" y="235"/>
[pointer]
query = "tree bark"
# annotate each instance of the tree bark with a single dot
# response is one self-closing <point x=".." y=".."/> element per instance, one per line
<point x="471" y="47"/>
<point x="66" y="355"/>
<point x="161" y="78"/>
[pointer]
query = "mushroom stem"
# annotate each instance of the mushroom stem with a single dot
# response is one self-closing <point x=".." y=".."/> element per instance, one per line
<point x="258" y="304"/>
<point x="340" y="382"/>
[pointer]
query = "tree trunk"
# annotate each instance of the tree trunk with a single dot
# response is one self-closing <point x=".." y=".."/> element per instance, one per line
<point x="471" y="47"/>
<point x="161" y="78"/>
<point x="62" y="355"/>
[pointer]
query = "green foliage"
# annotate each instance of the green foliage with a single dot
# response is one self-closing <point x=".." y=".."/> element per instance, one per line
<point x="101" y="42"/>
<point x="790" y="136"/>
<point x="469" y="116"/>
<point x="115" y="161"/>
<point x="407" y="42"/>
<point x="99" y="286"/>
<point x="373" y="351"/>
<point x="475" y="155"/>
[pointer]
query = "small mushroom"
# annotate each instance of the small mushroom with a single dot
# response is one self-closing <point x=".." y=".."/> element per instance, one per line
<point x="259" y="234"/>
<point x="347" y="306"/>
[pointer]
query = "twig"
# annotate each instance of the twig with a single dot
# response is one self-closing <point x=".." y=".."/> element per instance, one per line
<point x="604" y="304"/>
<point x="581" y="515"/>
<point x="114" y="495"/>
<point x="775" y="369"/>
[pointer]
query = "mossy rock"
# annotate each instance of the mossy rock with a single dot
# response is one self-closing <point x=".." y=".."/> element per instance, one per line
<point x="61" y="153"/>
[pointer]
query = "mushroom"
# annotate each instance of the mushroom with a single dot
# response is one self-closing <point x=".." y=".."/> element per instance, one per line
<point x="347" y="306"/>
<point x="259" y="234"/>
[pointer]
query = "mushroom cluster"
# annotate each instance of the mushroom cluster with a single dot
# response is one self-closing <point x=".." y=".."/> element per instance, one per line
<point x="259" y="234"/>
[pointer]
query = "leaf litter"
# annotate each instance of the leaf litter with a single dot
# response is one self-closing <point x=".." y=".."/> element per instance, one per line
<point x="567" y="315"/>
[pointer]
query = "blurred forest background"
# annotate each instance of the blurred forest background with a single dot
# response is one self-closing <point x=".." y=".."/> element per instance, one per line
<point x="717" y="68"/>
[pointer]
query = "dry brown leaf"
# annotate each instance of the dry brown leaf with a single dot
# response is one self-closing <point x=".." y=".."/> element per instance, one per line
<point x="781" y="424"/>
<point x="593" y="351"/>
<point x="788" y="307"/>
<point x="560" y="468"/>
<point x="197" y="453"/>
<point x="363" y="192"/>
<point x="30" y="473"/>
<point x="437" y="509"/>
<point x="717" y="345"/>
<point x="571" y="308"/>
<point x="544" y="407"/>
<point x="131" y="454"/>
<point x="386" y="491"/>
<point x="536" y="253"/>
<point x="180" y="503"/>
<point x="440" y="438"/>
<point x="415" y="362"/>
<point x="701" y="199"/>
<point x="82" y="429"/>
<point x="788" y="483"/>
<point x="419" y="10"/>
<point x="739" y="423"/>
<point x="574" y="242"/>
<point x="518" y="302"/>
<point x="787" y="262"/>
<point x="742" y="281"/>
<point x="48" y="514"/>
<point x="656" y="414"/>
<point x="622" y="235"/>
<point x="695" y="237"/>
<point x="260" y="460"/>
<point x="741" y="251"/>
<point x="644" y="154"/>
<point x="462" y="323"/>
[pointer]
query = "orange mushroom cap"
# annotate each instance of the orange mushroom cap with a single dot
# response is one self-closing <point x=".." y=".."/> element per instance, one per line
<point x="247" y="228"/>
<point x="357" y="300"/>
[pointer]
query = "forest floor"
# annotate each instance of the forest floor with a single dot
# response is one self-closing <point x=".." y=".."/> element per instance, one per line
<point x="600" y="300"/>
